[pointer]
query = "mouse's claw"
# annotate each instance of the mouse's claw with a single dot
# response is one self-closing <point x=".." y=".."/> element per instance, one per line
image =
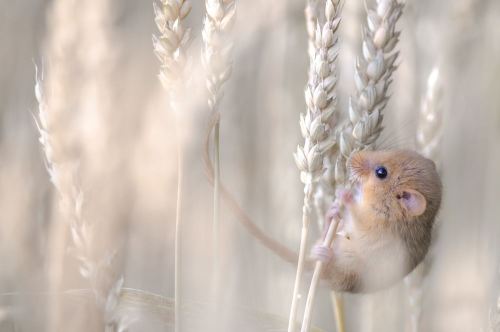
<point x="322" y="253"/>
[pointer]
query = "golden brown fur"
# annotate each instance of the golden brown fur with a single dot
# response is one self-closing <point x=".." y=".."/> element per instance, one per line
<point x="388" y="221"/>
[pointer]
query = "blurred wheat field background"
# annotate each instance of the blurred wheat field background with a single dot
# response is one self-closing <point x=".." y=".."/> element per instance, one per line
<point x="114" y="141"/>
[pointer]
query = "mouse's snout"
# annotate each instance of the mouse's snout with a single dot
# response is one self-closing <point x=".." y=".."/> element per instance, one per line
<point x="358" y="166"/>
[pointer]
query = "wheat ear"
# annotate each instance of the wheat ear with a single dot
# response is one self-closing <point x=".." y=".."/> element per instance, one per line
<point x="56" y="111"/>
<point x="325" y="191"/>
<point x="216" y="57"/>
<point x="429" y="132"/>
<point x="64" y="176"/>
<point x="316" y="128"/>
<point x="171" y="49"/>
<point x="60" y="47"/>
<point x="372" y="77"/>
<point x="311" y="13"/>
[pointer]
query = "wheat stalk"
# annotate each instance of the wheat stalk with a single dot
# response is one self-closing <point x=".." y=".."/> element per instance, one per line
<point x="316" y="125"/>
<point x="171" y="48"/>
<point x="327" y="242"/>
<point x="216" y="58"/>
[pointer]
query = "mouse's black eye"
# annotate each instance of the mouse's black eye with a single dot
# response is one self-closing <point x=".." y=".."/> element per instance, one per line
<point x="381" y="172"/>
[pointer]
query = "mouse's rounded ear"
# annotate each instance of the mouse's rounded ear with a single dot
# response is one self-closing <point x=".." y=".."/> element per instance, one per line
<point x="412" y="201"/>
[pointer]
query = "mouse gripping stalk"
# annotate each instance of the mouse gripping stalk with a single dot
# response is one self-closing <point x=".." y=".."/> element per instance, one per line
<point x="323" y="253"/>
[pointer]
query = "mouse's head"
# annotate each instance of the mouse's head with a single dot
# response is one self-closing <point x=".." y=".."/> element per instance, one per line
<point x="396" y="185"/>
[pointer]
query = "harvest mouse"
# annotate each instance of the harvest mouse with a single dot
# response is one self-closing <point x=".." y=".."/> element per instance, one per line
<point x="386" y="220"/>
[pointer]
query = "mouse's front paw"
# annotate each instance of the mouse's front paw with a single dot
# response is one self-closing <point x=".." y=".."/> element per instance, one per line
<point x="333" y="212"/>
<point x="345" y="195"/>
<point x="322" y="253"/>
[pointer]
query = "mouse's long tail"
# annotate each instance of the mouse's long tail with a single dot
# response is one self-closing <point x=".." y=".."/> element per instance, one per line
<point x="269" y="242"/>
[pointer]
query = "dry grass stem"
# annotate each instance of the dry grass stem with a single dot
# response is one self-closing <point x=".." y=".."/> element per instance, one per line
<point x="171" y="49"/>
